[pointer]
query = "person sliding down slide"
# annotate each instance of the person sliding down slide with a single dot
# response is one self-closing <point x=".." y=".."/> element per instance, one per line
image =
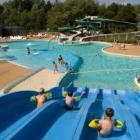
<point x="41" y="98"/>
<point x="69" y="100"/>
<point x="105" y="126"/>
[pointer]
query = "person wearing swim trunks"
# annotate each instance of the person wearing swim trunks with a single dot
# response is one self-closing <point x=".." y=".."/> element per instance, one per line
<point x="41" y="98"/>
<point x="28" y="50"/>
<point x="55" y="68"/>
<point x="107" y="123"/>
<point x="60" y="60"/>
<point x="69" y="101"/>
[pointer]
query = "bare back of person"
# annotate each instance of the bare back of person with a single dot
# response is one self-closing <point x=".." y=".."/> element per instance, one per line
<point x="106" y="127"/>
<point x="69" y="100"/>
<point x="41" y="99"/>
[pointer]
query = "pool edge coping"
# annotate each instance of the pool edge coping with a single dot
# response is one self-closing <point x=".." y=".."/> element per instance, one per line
<point x="13" y="83"/>
<point x="117" y="54"/>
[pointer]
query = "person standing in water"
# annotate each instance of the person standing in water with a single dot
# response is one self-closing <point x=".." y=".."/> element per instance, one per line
<point x="66" y="65"/>
<point x="28" y="50"/>
<point x="60" y="60"/>
<point x="55" y="68"/>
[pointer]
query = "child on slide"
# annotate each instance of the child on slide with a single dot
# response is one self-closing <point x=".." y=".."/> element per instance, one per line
<point x="41" y="98"/>
<point x="107" y="123"/>
<point x="69" y="101"/>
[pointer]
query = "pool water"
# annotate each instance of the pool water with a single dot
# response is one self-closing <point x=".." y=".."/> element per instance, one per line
<point x="97" y="69"/>
<point x="41" y="55"/>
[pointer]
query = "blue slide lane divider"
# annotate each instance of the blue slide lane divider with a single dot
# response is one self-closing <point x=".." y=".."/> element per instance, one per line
<point x="84" y="114"/>
<point x="83" y="131"/>
<point x="131" y="101"/>
<point x="65" y="125"/>
<point x="38" y="123"/>
<point x="14" y="107"/>
<point x="131" y="123"/>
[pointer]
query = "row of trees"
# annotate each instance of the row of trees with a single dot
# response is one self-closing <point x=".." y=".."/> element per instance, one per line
<point x="39" y="15"/>
<point x="30" y="14"/>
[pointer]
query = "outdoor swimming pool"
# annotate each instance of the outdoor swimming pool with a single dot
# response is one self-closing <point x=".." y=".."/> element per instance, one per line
<point x="97" y="69"/>
<point x="41" y="55"/>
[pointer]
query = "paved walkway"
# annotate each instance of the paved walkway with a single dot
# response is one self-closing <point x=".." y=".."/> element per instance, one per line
<point x="10" y="72"/>
<point x="45" y="78"/>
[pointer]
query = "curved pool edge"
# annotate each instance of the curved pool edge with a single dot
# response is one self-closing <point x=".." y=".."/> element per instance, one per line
<point x="61" y="79"/>
<point x="20" y="65"/>
<point x="13" y="83"/>
<point x="118" y="54"/>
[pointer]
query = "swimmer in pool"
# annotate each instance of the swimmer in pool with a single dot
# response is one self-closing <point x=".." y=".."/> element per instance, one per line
<point x="107" y="123"/>
<point x="41" y="98"/>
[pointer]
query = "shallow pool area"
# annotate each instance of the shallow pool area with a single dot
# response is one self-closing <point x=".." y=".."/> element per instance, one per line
<point x="41" y="55"/>
<point x="96" y="69"/>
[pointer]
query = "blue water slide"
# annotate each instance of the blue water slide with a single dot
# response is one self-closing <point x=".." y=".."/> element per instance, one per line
<point x="35" y="126"/>
<point x="16" y="109"/>
<point x="131" y="101"/>
<point x="54" y="122"/>
<point x="92" y="108"/>
<point x="104" y="100"/>
<point x="132" y="127"/>
<point x="65" y="126"/>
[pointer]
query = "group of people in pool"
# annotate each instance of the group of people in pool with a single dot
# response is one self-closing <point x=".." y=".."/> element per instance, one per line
<point x="60" y="62"/>
<point x="106" y="124"/>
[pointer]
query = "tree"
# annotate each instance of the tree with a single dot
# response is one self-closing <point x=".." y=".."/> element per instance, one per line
<point x="48" y="6"/>
<point x="37" y="17"/>
<point x="63" y="14"/>
<point x="37" y="14"/>
<point x="127" y="13"/>
<point x="57" y="17"/>
<point x="137" y="11"/>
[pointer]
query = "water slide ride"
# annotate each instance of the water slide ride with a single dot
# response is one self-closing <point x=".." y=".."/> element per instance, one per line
<point x="21" y="120"/>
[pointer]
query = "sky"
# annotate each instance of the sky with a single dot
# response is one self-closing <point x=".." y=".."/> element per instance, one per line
<point x="120" y="1"/>
<point x="103" y="1"/>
